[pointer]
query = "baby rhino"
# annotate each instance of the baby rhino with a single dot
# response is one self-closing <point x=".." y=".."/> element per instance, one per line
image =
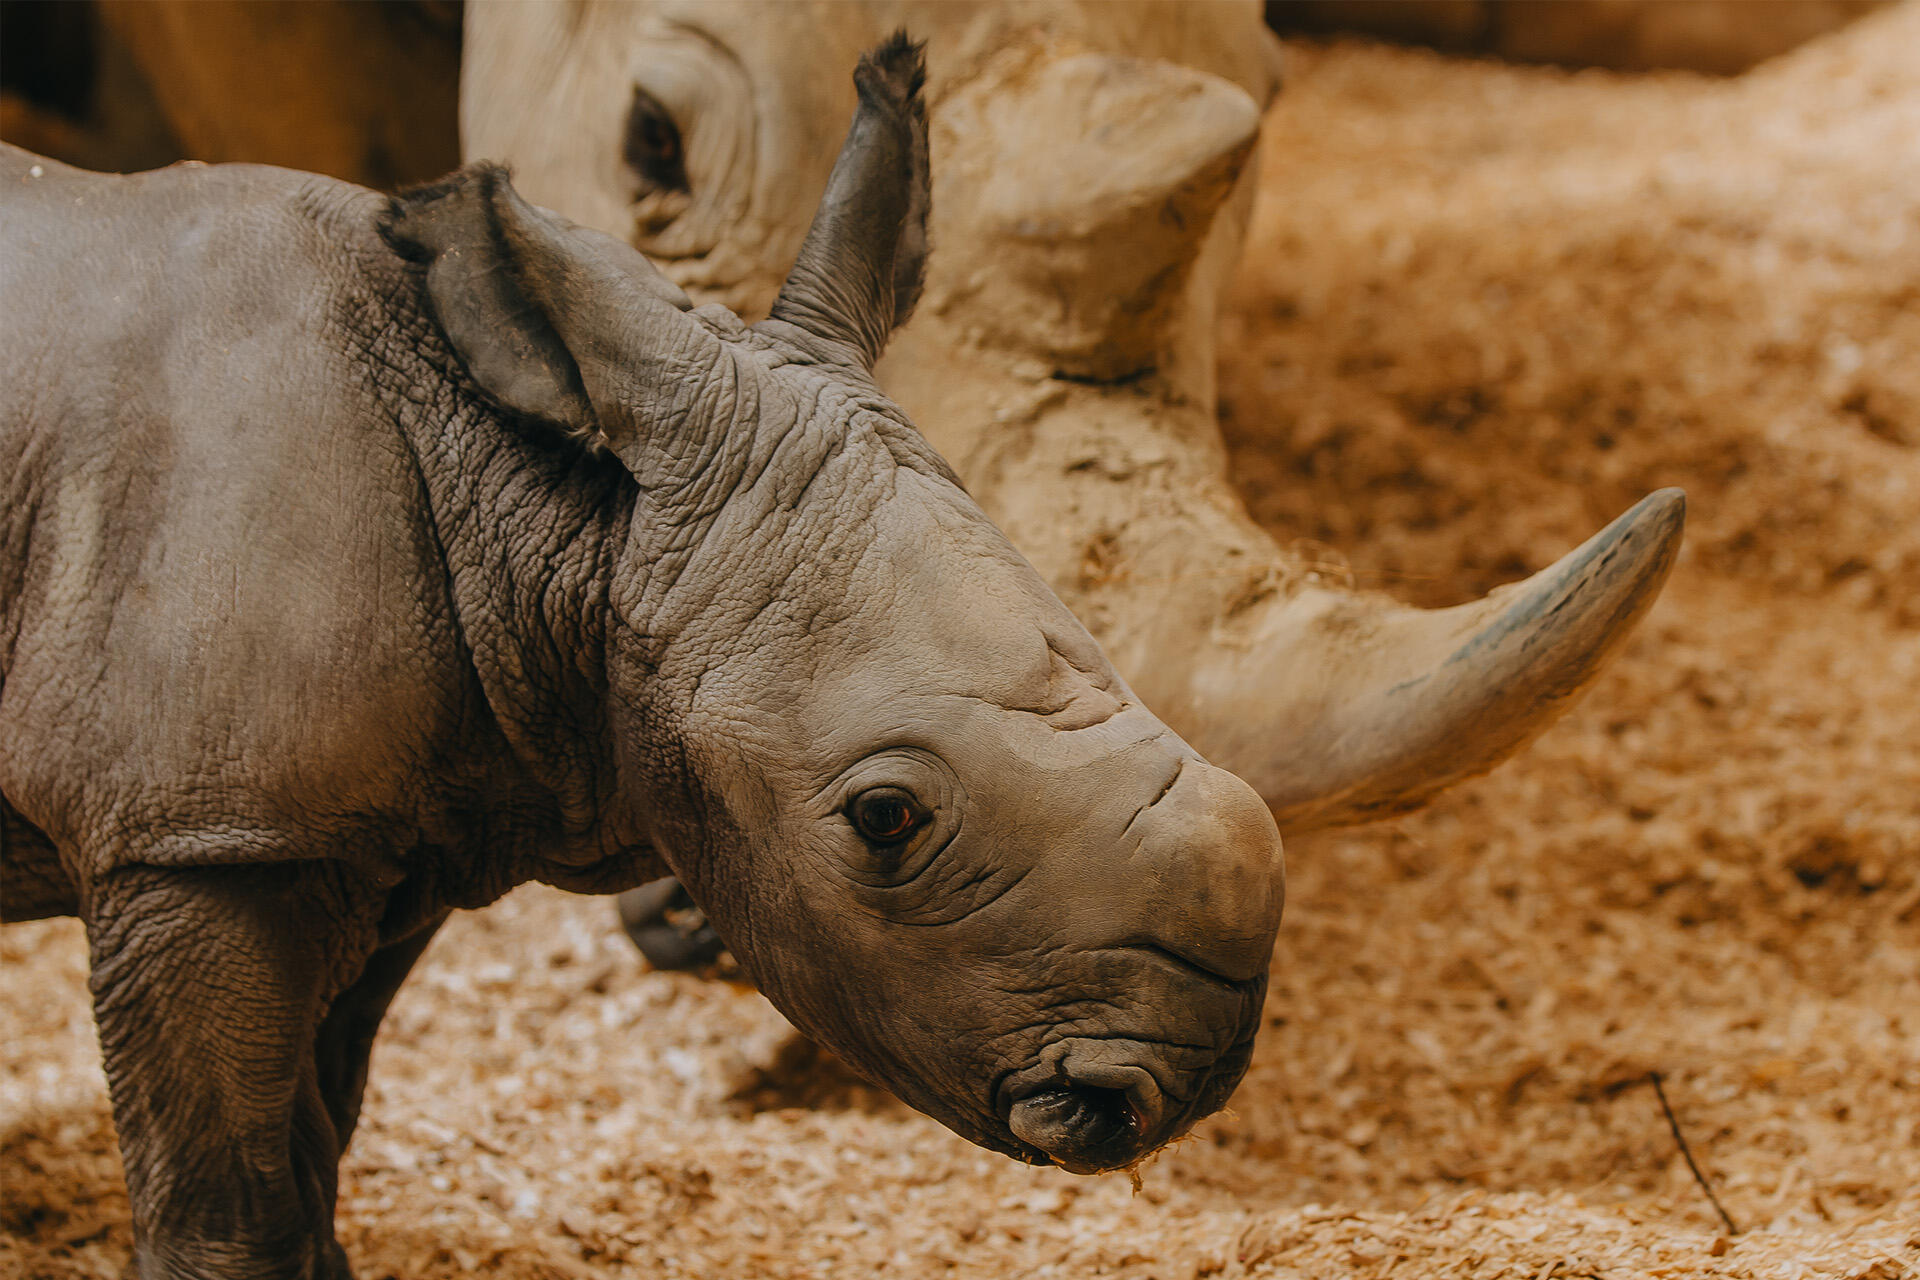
<point x="361" y="558"/>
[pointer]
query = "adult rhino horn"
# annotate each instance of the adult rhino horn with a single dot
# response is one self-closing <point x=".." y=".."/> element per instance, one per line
<point x="860" y="268"/>
<point x="1341" y="708"/>
<point x="1090" y="206"/>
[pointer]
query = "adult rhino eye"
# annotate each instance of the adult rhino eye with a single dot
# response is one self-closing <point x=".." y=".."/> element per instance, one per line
<point x="652" y="147"/>
<point x="885" y="815"/>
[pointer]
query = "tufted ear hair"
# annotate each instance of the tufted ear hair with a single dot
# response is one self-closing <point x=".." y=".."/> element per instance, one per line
<point x="550" y="318"/>
<point x="862" y="264"/>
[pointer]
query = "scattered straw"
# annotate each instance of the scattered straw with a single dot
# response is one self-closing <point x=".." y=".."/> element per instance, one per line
<point x="1484" y="310"/>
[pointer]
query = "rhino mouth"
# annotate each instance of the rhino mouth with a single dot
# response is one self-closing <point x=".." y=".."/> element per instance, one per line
<point x="1091" y="1106"/>
<point x="1089" y="1129"/>
<point x="1082" y="1128"/>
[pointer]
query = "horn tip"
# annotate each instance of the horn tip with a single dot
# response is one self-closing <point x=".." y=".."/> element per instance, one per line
<point x="1614" y="576"/>
<point x="1654" y="524"/>
<point x="1666" y="508"/>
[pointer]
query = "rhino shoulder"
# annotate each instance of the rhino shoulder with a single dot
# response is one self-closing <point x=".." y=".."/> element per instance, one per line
<point x="212" y="496"/>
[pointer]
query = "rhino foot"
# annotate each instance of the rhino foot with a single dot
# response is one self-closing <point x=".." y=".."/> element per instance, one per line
<point x="669" y="927"/>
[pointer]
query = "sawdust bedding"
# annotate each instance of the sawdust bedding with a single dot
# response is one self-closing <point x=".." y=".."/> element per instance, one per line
<point x="1485" y="308"/>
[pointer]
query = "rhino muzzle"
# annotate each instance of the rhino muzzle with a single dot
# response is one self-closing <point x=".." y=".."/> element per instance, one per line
<point x="1175" y="929"/>
<point x="1099" y="1104"/>
<point x="1082" y="1128"/>
<point x="1103" y="1111"/>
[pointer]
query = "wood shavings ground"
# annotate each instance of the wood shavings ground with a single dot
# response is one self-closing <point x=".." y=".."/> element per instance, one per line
<point x="1484" y="309"/>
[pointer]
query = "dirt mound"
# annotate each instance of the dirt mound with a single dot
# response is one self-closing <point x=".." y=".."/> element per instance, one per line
<point x="1484" y="309"/>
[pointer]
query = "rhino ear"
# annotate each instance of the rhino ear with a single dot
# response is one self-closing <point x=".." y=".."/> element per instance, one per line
<point x="540" y="310"/>
<point x="864" y="259"/>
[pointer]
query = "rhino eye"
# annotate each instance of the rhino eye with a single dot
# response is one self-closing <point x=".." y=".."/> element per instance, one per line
<point x="652" y="147"/>
<point x="886" y="815"/>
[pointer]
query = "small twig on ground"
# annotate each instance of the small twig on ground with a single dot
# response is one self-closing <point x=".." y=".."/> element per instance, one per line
<point x="1679" y="1138"/>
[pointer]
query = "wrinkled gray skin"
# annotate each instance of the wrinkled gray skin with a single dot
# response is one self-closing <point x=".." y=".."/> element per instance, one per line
<point x="362" y="559"/>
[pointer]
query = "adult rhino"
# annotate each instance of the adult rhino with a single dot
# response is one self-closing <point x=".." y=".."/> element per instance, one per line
<point x="1092" y="177"/>
<point x="1093" y="173"/>
<point x="363" y="558"/>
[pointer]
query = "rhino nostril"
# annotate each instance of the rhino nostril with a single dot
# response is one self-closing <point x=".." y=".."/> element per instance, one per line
<point x="1083" y="1128"/>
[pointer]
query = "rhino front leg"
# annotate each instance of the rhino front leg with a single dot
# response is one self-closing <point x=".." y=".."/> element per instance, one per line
<point x="345" y="1040"/>
<point x="209" y="985"/>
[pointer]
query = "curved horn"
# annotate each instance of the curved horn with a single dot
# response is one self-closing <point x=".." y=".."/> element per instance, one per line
<point x="1373" y="707"/>
<point x="1338" y="706"/>
<point x="860" y="268"/>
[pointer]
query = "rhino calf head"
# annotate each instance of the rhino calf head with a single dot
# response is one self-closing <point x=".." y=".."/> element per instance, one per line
<point x="936" y="827"/>
<point x="462" y="550"/>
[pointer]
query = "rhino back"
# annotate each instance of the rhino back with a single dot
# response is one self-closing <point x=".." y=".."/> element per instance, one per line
<point x="223" y="601"/>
